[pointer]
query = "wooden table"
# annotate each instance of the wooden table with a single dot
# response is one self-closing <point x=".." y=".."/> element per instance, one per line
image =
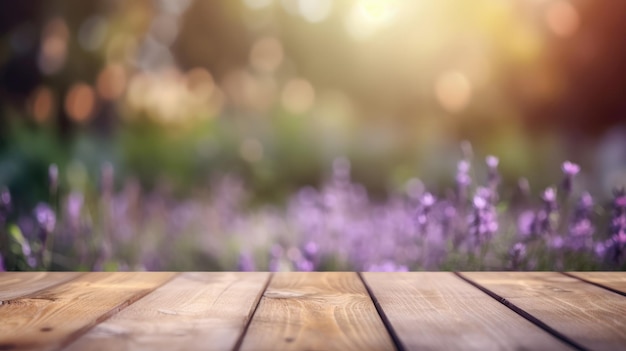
<point x="313" y="311"/>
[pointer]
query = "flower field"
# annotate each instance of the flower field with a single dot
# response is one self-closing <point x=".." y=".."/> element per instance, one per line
<point x="334" y="227"/>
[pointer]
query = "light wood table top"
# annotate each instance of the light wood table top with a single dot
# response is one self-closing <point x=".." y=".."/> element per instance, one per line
<point x="313" y="311"/>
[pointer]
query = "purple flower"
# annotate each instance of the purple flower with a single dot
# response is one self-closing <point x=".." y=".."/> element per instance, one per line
<point x="492" y="161"/>
<point x="427" y="201"/>
<point x="246" y="262"/>
<point x="581" y="229"/>
<point x="580" y="235"/>
<point x="484" y="221"/>
<point x="5" y="198"/>
<point x="569" y="171"/>
<point x="5" y="205"/>
<point x="619" y="201"/>
<point x="517" y="254"/>
<point x="463" y="180"/>
<point x="387" y="266"/>
<point x="616" y="244"/>
<point x="525" y="223"/>
<point x="74" y="206"/>
<point x="549" y="199"/>
<point x="45" y="217"/>
<point x="493" y="177"/>
<point x="304" y="265"/>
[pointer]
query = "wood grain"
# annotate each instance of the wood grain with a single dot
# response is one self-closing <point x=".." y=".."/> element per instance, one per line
<point x="613" y="280"/>
<point x="18" y="284"/>
<point x="590" y="316"/>
<point x="440" y="311"/>
<point x="194" y="311"/>
<point x="51" y="318"/>
<point x="316" y="311"/>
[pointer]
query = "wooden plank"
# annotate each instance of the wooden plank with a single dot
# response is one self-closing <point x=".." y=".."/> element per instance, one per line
<point x="316" y="311"/>
<point x="51" y="318"/>
<point x="18" y="284"/>
<point x="615" y="281"/>
<point x="586" y="314"/>
<point x="194" y="311"/>
<point x="440" y="311"/>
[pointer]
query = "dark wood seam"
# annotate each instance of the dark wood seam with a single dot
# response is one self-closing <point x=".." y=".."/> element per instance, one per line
<point x="251" y="315"/>
<point x="113" y="311"/>
<point x="599" y="285"/>
<point x="381" y="313"/>
<point x="529" y="317"/>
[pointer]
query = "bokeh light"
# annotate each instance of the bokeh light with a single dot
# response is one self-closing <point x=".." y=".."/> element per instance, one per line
<point x="453" y="91"/>
<point x="42" y="104"/>
<point x="298" y="96"/>
<point x="54" y="44"/>
<point x="111" y="82"/>
<point x="562" y="18"/>
<point x="80" y="102"/>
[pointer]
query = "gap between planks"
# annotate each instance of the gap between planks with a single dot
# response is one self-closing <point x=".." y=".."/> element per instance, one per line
<point x="452" y="314"/>
<point x="194" y="311"/>
<point x="381" y="313"/>
<point x="529" y="317"/>
<point x="618" y="287"/>
<point x="316" y="310"/>
<point x="57" y="315"/>
<point x="237" y="346"/>
<point x="592" y="317"/>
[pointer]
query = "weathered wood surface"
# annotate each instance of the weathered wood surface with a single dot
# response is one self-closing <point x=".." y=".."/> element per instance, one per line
<point x="194" y="311"/>
<point x="588" y="315"/>
<point x="53" y="317"/>
<point x="316" y="311"/>
<point x="18" y="284"/>
<point x="440" y="311"/>
<point x="615" y="281"/>
<point x="313" y="311"/>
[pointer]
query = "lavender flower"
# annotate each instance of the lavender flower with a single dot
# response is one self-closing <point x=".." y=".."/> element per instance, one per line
<point x="75" y="203"/>
<point x="5" y="198"/>
<point x="336" y="226"/>
<point x="493" y="177"/>
<point x="569" y="171"/>
<point x="45" y="218"/>
<point x="387" y="266"/>
<point x="5" y="205"/>
<point x="525" y="224"/>
<point x="549" y="199"/>
<point x="517" y="254"/>
<point x="427" y="201"/>
<point x="616" y="245"/>
<point x="484" y="221"/>
<point x="542" y="224"/>
<point x="463" y="180"/>
<point x="580" y="230"/>
<point x="246" y="262"/>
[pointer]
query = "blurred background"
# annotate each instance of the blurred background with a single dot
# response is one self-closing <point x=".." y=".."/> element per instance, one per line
<point x="171" y="92"/>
